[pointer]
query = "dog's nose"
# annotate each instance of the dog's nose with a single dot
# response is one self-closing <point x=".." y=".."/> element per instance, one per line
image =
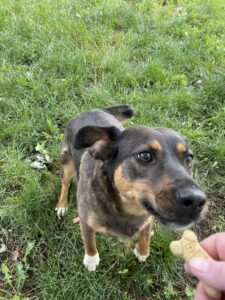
<point x="191" y="200"/>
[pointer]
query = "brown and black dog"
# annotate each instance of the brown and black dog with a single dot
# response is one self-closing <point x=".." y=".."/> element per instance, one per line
<point x="126" y="177"/>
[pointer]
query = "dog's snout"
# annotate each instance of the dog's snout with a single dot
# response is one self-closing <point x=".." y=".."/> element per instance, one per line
<point x="192" y="200"/>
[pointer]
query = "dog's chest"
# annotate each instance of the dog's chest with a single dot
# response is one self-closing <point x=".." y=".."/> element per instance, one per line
<point x="118" y="225"/>
<point x="127" y="227"/>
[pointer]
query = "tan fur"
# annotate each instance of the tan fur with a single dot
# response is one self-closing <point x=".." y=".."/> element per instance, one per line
<point x="67" y="175"/>
<point x="149" y="220"/>
<point x="131" y="192"/>
<point x="181" y="148"/>
<point x="155" y="145"/>
<point x="143" y="244"/>
<point x="89" y="239"/>
<point x="91" y="221"/>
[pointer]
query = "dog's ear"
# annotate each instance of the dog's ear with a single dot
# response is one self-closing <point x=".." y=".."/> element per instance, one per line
<point x="101" y="140"/>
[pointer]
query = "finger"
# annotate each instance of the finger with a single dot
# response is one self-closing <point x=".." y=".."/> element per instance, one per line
<point x="201" y="295"/>
<point x="200" y="292"/>
<point x="186" y="267"/>
<point x="215" y="245"/>
<point x="209" y="271"/>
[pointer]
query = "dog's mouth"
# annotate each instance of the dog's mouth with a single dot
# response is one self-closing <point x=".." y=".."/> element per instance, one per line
<point x="180" y="224"/>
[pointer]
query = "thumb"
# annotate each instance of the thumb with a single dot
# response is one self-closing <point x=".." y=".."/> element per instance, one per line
<point x="209" y="271"/>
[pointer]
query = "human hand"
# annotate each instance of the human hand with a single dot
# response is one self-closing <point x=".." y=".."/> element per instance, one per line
<point x="211" y="272"/>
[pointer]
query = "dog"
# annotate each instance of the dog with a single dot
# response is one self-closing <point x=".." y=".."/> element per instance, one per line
<point x="126" y="178"/>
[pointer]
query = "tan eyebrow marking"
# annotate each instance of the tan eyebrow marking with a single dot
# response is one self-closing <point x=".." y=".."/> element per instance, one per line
<point x="181" y="147"/>
<point x="155" y="145"/>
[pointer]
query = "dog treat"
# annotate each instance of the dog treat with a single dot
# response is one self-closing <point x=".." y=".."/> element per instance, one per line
<point x="188" y="247"/>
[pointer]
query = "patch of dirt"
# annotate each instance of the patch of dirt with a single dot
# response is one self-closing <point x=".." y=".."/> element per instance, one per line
<point x="212" y="222"/>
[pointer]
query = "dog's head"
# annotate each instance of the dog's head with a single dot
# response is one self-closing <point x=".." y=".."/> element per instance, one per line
<point x="151" y="171"/>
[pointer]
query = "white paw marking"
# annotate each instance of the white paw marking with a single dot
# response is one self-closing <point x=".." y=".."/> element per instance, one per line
<point x="91" y="262"/>
<point x="60" y="211"/>
<point x="139" y="256"/>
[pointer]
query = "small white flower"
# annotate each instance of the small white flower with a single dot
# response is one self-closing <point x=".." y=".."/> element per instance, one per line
<point x="40" y="158"/>
<point x="38" y="165"/>
<point x="3" y="248"/>
<point x="48" y="159"/>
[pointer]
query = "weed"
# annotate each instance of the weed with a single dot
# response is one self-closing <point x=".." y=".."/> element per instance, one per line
<point x="15" y="275"/>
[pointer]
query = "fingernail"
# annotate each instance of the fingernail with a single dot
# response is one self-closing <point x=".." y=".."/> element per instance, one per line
<point x="199" y="264"/>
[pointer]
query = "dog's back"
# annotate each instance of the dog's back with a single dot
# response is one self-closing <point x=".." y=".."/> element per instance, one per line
<point x="112" y="116"/>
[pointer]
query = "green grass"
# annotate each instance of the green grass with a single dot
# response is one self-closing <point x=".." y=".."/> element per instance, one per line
<point x="58" y="58"/>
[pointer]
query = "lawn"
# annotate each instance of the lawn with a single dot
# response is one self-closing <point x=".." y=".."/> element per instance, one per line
<point x="58" y="58"/>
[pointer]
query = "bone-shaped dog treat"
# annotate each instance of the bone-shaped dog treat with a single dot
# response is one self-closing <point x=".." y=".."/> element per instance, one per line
<point x="188" y="247"/>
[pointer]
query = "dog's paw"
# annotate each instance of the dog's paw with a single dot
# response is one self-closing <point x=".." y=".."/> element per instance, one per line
<point x="60" y="211"/>
<point x="91" y="262"/>
<point x="140" y="257"/>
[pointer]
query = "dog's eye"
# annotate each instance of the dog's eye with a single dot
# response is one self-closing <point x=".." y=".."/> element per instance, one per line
<point x="189" y="158"/>
<point x="144" y="157"/>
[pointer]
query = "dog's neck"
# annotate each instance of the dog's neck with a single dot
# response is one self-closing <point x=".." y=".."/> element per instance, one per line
<point x="114" y="216"/>
<point x="104" y="187"/>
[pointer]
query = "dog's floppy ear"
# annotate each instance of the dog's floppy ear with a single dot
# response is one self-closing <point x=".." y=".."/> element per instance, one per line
<point x="101" y="140"/>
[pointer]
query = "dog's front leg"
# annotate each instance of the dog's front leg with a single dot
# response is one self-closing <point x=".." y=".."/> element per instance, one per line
<point x="142" y="247"/>
<point x="91" y="258"/>
<point x="66" y="172"/>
